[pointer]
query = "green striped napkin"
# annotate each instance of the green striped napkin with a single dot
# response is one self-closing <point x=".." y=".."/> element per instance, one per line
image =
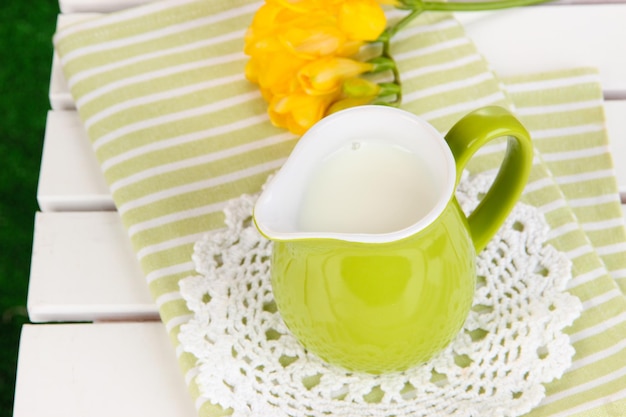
<point x="178" y="131"/>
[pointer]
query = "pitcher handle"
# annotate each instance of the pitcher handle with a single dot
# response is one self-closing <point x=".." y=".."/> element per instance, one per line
<point x="465" y="138"/>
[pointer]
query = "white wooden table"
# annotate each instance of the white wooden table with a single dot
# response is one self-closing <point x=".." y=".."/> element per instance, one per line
<point x="84" y="270"/>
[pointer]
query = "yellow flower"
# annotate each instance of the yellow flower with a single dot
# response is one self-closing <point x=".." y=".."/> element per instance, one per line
<point x="300" y="54"/>
<point x="299" y="111"/>
<point x="326" y="75"/>
<point x="351" y="19"/>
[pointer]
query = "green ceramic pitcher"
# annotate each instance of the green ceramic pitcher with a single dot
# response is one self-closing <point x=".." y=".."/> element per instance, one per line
<point x="373" y="265"/>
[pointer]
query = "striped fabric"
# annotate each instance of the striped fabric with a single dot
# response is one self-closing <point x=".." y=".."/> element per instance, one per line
<point x="564" y="115"/>
<point x="178" y="132"/>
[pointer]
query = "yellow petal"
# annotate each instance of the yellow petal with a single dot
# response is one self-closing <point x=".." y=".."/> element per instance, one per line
<point x="362" y="19"/>
<point x="313" y="42"/>
<point x="277" y="72"/>
<point x="326" y="75"/>
<point x="252" y="71"/>
<point x="298" y="112"/>
<point x="299" y="6"/>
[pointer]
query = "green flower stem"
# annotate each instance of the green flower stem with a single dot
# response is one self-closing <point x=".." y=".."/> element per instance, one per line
<point x="416" y="8"/>
<point x="382" y="63"/>
<point x="455" y="6"/>
<point x="391" y="31"/>
<point x="389" y="89"/>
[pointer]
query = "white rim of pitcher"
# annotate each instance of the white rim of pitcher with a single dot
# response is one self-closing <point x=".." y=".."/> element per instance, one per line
<point x="442" y="202"/>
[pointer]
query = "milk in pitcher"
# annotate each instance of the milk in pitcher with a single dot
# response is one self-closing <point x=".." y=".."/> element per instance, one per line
<point x="368" y="186"/>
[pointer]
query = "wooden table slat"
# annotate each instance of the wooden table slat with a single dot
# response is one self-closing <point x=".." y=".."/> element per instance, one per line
<point x="99" y="370"/>
<point x="70" y="178"/>
<point x="102" y="6"/>
<point x="105" y="6"/>
<point x="84" y="269"/>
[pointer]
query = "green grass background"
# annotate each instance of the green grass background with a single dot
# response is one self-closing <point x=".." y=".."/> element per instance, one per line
<point x="26" y="29"/>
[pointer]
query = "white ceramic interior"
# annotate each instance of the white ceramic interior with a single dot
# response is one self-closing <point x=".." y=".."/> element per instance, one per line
<point x="276" y="211"/>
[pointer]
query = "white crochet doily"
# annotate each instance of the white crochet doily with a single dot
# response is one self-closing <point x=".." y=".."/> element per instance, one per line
<point x="511" y="344"/>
